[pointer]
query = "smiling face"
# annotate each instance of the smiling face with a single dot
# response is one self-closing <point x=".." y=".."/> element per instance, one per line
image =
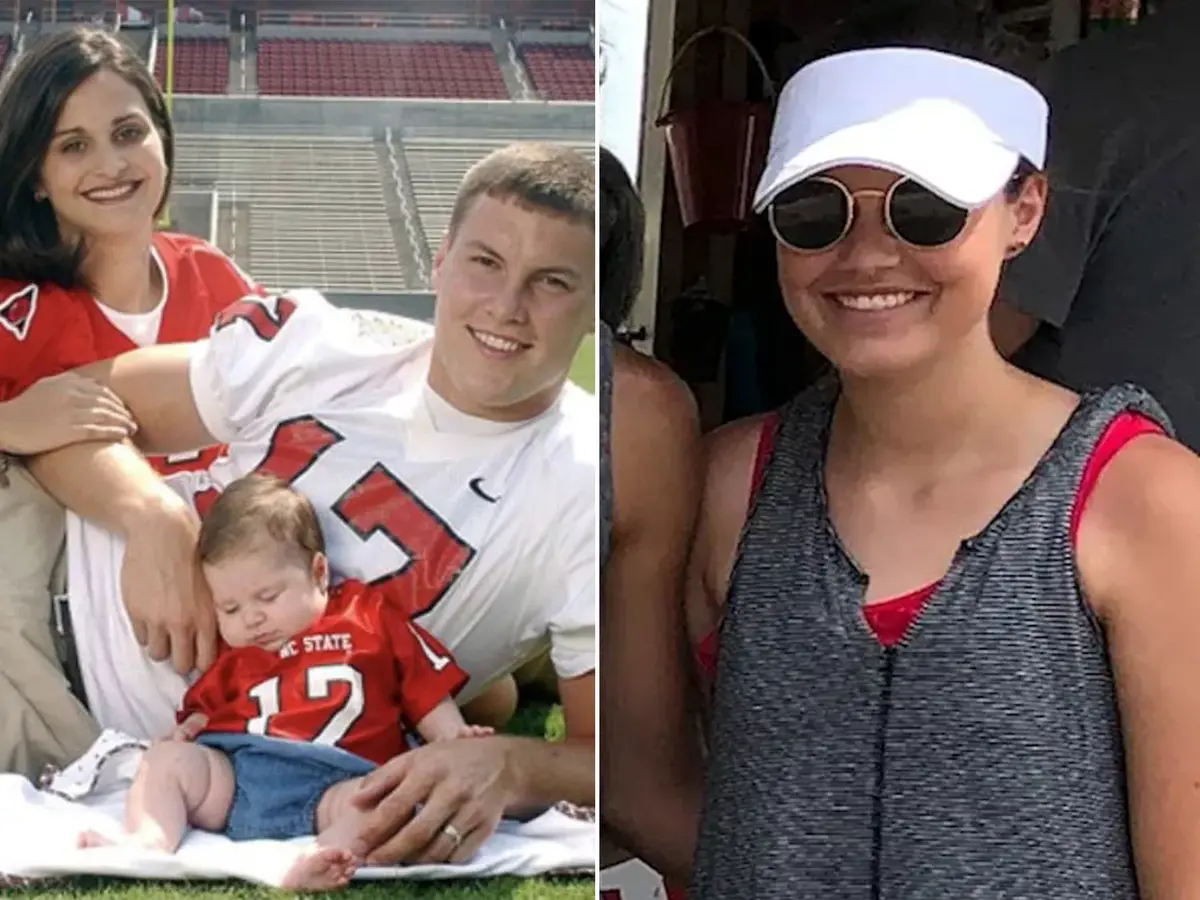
<point x="264" y="597"/>
<point x="875" y="306"/>
<point x="515" y="297"/>
<point x="105" y="171"/>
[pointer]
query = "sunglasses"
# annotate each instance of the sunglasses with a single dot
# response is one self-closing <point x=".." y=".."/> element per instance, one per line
<point x="816" y="213"/>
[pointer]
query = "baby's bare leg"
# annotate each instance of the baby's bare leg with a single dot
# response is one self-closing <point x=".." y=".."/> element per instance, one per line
<point x="332" y="861"/>
<point x="177" y="784"/>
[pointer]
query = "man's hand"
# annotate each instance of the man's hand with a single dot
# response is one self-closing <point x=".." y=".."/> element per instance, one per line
<point x="164" y="590"/>
<point x="463" y="788"/>
<point x="62" y="410"/>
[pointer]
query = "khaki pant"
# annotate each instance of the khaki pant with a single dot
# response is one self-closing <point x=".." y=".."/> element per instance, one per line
<point x="41" y="721"/>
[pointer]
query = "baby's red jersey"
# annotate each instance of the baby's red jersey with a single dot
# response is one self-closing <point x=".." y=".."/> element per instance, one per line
<point x="46" y="330"/>
<point x="357" y="679"/>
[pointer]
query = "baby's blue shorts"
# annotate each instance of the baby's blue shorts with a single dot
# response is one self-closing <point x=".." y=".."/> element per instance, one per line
<point x="278" y="784"/>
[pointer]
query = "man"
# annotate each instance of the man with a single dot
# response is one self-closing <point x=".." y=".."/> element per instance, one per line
<point x="651" y="762"/>
<point x="458" y="470"/>
<point x="1107" y="292"/>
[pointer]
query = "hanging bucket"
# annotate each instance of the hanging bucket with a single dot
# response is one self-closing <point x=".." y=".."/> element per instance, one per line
<point x="717" y="148"/>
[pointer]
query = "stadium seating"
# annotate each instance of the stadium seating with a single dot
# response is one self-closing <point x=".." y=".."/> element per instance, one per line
<point x="562" y="71"/>
<point x="309" y="209"/>
<point x="348" y="68"/>
<point x="437" y="165"/>
<point x="201" y="65"/>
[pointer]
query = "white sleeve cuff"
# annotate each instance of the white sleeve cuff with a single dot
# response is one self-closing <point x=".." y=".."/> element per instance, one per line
<point x="204" y="373"/>
<point x="573" y="652"/>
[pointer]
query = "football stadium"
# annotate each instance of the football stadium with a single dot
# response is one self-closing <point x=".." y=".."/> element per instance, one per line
<point x="320" y="145"/>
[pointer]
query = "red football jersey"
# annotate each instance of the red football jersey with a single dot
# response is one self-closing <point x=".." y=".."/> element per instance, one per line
<point x="45" y="330"/>
<point x="357" y="679"/>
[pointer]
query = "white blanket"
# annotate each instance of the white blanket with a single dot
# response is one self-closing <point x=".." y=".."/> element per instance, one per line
<point x="38" y="831"/>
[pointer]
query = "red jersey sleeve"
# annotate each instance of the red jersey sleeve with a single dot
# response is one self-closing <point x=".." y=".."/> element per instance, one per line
<point x="428" y="673"/>
<point x="225" y="281"/>
<point x="43" y="332"/>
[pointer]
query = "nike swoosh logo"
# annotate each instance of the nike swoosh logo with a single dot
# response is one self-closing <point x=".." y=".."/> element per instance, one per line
<point x="474" y="484"/>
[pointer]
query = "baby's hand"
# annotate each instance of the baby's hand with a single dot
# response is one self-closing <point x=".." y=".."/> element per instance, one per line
<point x="187" y="730"/>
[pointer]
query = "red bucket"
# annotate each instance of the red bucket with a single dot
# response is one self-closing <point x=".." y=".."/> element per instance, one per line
<point x="717" y="149"/>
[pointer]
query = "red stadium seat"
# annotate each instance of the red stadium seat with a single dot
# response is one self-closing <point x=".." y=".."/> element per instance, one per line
<point x="348" y="68"/>
<point x="201" y="65"/>
<point x="562" y="71"/>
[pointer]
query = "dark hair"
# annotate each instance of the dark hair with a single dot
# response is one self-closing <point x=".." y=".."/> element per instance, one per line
<point x="545" y="176"/>
<point x="255" y="507"/>
<point x="31" y="101"/>
<point x="1025" y="171"/>
<point x="622" y="250"/>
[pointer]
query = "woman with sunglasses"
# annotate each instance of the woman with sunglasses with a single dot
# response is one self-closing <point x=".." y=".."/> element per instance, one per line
<point x="958" y="605"/>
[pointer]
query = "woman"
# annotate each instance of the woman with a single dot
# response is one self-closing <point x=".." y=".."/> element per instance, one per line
<point x="87" y="148"/>
<point x="958" y="604"/>
<point x="650" y="755"/>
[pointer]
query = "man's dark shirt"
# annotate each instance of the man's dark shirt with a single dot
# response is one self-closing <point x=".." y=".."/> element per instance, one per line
<point x="1115" y="271"/>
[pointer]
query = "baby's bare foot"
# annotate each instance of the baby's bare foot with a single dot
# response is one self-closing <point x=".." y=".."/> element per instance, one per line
<point x="154" y="842"/>
<point x="89" y="839"/>
<point x="321" y="869"/>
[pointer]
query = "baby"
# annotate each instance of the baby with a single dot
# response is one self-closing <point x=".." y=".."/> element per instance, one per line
<point x="314" y="688"/>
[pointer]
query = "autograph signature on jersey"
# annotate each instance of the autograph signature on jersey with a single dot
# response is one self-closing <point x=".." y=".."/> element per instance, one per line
<point x="476" y="487"/>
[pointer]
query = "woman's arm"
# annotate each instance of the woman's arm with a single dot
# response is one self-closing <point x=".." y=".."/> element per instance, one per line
<point x="154" y="383"/>
<point x="650" y="761"/>
<point x="59" y="411"/>
<point x="1140" y="569"/>
<point x="729" y="453"/>
<point x="164" y="592"/>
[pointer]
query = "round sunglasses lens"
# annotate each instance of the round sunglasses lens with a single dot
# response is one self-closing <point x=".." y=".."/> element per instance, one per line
<point x="811" y="215"/>
<point x="924" y="219"/>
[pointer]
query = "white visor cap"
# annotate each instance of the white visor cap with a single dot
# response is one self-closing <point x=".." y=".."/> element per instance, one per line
<point x="957" y="126"/>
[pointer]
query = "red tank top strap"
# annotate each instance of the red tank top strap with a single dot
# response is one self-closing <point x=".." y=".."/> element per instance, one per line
<point x="762" y="455"/>
<point x="1123" y="429"/>
<point x="705" y="651"/>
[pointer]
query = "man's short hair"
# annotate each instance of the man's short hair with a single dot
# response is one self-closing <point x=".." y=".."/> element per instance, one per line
<point x="255" y="507"/>
<point x="544" y="176"/>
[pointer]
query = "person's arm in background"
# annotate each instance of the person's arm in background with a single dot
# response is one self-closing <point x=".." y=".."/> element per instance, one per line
<point x="651" y="764"/>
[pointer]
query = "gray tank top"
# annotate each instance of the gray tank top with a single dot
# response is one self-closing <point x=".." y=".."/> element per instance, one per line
<point x="604" y="349"/>
<point x="979" y="758"/>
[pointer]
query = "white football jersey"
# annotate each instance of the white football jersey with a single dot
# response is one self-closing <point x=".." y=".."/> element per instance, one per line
<point x="484" y="531"/>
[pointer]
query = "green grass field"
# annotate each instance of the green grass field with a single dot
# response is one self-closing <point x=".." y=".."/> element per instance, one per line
<point x="583" y="372"/>
<point x="531" y="719"/>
